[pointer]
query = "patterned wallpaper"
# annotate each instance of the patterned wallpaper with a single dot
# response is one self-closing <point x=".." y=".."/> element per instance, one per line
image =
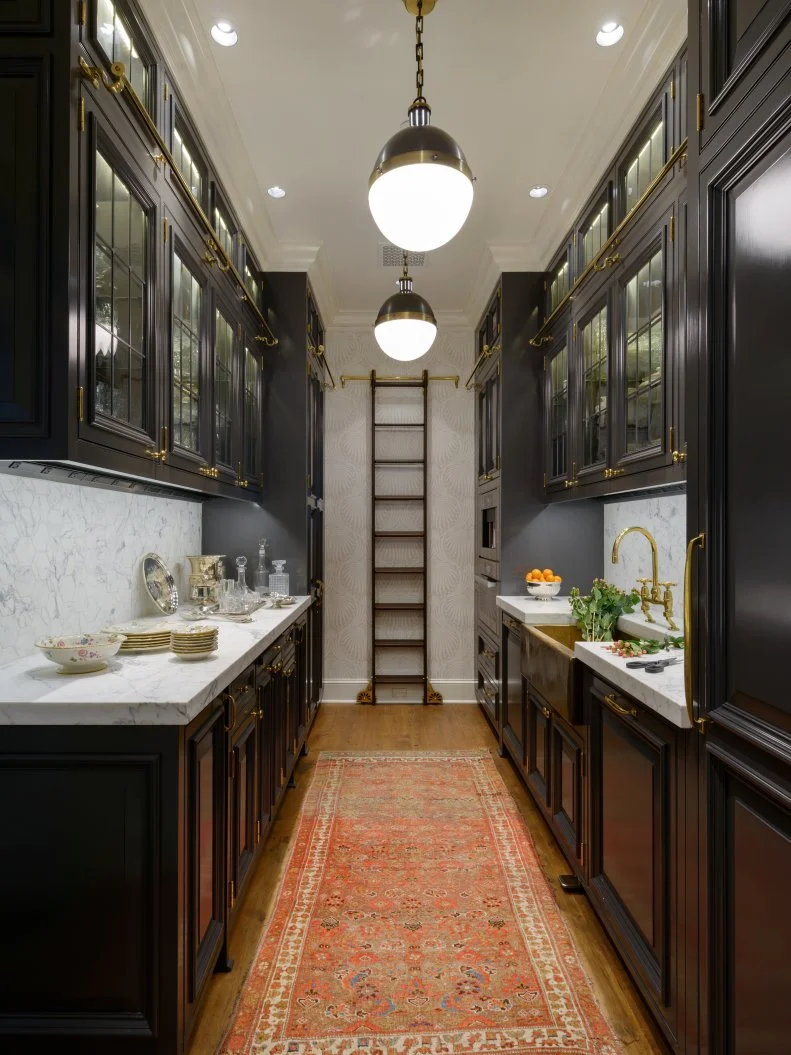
<point x="70" y="559"/>
<point x="348" y="513"/>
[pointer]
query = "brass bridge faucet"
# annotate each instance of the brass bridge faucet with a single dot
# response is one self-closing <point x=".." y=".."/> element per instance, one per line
<point x="654" y="596"/>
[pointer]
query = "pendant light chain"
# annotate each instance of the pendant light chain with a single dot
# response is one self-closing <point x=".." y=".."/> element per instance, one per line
<point x="419" y="52"/>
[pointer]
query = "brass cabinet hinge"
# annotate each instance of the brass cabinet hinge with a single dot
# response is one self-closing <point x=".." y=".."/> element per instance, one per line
<point x="699" y="108"/>
<point x="574" y="239"/>
<point x="258" y="831"/>
<point x="672" y="87"/>
<point x="80" y="403"/>
<point x="82" y="13"/>
<point x="165" y="91"/>
<point x="165" y="229"/>
<point x="81" y="115"/>
<point x="545" y="362"/>
<point x="545" y="285"/>
<point x="232" y="893"/>
<point x="672" y="229"/>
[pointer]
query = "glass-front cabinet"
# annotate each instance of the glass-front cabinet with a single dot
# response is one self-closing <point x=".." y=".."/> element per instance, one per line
<point x="250" y="470"/>
<point x="557" y="401"/>
<point x="593" y="347"/>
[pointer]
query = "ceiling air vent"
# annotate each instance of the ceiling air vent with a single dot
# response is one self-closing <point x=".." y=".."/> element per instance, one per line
<point x="392" y="256"/>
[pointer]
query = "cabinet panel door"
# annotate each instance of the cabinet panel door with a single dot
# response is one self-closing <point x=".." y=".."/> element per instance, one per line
<point x="243" y="814"/>
<point x="226" y="399"/>
<point x="121" y="364"/>
<point x="539" y="757"/>
<point x="631" y="851"/>
<point x="513" y="692"/>
<point x="750" y="876"/>
<point x="25" y="303"/>
<point x="567" y="789"/>
<point x="590" y="425"/>
<point x="206" y="809"/>
<point x="249" y="469"/>
<point x="739" y="43"/>
<point x="557" y="414"/>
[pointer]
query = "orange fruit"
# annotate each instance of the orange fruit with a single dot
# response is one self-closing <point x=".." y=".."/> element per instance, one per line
<point x="556" y="578"/>
<point x="548" y="575"/>
<point x="534" y="574"/>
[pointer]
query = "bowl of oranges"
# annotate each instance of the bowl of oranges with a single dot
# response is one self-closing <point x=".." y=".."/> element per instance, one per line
<point x="543" y="585"/>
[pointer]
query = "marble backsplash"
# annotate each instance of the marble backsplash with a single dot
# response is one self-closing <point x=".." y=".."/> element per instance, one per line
<point x="665" y="516"/>
<point x="70" y="557"/>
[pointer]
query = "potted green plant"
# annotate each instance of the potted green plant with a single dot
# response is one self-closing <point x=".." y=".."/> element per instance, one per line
<point x="598" y="612"/>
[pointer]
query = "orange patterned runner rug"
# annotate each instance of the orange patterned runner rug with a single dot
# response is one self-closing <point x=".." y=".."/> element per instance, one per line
<point x="413" y="918"/>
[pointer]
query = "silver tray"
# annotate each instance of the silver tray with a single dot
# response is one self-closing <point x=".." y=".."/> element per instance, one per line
<point x="160" y="584"/>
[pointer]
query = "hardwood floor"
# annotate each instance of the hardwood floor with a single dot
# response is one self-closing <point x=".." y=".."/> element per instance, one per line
<point x="350" y="727"/>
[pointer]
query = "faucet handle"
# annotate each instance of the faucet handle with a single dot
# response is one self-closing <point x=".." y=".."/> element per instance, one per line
<point x="668" y="584"/>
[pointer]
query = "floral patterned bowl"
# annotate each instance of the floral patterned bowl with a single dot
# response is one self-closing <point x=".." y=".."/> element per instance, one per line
<point x="81" y="654"/>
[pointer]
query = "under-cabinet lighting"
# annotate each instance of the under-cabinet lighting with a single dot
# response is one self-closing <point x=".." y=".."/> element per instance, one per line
<point x="275" y="192"/>
<point x="609" y="34"/>
<point x="539" y="192"/>
<point x="223" y="33"/>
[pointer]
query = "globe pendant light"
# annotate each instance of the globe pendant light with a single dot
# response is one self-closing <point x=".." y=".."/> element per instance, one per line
<point x="405" y="327"/>
<point x="421" y="188"/>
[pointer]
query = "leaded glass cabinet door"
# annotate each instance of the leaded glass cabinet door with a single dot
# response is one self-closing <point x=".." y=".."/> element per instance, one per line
<point x="252" y="468"/>
<point x="226" y="401"/>
<point x="190" y="370"/>
<point x="118" y="367"/>
<point x="592" y="419"/>
<point x="645" y="367"/>
<point x="558" y="413"/>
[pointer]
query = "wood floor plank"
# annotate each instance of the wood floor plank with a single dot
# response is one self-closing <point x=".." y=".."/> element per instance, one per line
<point x="350" y="727"/>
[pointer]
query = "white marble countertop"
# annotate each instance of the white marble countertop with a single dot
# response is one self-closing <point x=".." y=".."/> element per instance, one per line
<point x="662" y="693"/>
<point x="153" y="689"/>
<point x="557" y="612"/>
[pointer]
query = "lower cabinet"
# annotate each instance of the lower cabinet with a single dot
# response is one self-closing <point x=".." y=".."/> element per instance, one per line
<point x="513" y="693"/>
<point x="634" y="861"/>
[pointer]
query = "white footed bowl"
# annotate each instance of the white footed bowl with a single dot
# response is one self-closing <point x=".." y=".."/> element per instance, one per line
<point x="544" y="591"/>
<point x="82" y="653"/>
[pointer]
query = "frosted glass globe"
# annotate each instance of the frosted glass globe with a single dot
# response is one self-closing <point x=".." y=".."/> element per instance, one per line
<point x="422" y="206"/>
<point x="405" y="339"/>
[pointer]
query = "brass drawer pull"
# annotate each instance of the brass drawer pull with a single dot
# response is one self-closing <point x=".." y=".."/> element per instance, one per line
<point x="546" y="712"/>
<point x="209" y="470"/>
<point x="612" y="703"/>
<point x="489" y="694"/>
<point x="273" y="668"/>
<point x="487" y="652"/>
<point x="288" y="673"/>
<point x="231" y="720"/>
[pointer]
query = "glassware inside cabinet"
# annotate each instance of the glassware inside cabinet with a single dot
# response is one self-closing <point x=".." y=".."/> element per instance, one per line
<point x="594" y="389"/>
<point x="645" y="355"/>
<point x="559" y="413"/>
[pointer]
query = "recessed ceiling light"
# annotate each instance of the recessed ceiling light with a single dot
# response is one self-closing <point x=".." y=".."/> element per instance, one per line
<point x="275" y="192"/>
<point x="224" y="33"/>
<point x="609" y="34"/>
<point x="539" y="192"/>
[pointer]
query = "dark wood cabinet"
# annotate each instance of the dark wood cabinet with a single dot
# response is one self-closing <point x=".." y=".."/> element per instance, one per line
<point x="738" y="500"/>
<point x="244" y="765"/>
<point x="567" y="781"/>
<point x="513" y="693"/>
<point x="131" y="342"/>
<point x="539" y="755"/>
<point x="633" y="860"/>
<point x="207" y="903"/>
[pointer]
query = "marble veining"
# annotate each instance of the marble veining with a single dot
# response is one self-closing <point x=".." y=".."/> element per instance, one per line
<point x="665" y="517"/>
<point x="70" y="557"/>
<point x="153" y="689"/>
<point x="661" y="693"/>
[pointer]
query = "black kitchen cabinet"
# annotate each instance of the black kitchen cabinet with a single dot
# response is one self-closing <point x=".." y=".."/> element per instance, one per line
<point x="539" y="754"/>
<point x="634" y="860"/>
<point x="512" y="522"/>
<point x="567" y="784"/>
<point x="150" y="835"/>
<point x="207" y="902"/>
<point x="514" y="694"/>
<point x="129" y="340"/>
<point x="613" y="353"/>
<point x="738" y="499"/>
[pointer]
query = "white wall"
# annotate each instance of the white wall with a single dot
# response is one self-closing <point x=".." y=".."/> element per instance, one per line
<point x="70" y="557"/>
<point x="348" y="512"/>
<point x="665" y="516"/>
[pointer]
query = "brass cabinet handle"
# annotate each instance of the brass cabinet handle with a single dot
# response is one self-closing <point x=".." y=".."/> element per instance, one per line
<point x="209" y="470"/>
<point x="610" y="474"/>
<point x="489" y="654"/>
<point x="489" y="694"/>
<point x="228" y="697"/>
<point x="162" y="453"/>
<point x="288" y="673"/>
<point x="273" y="668"/>
<point x="546" y="712"/>
<point x="612" y="703"/>
<point x="240" y="480"/>
<point x="699" y="723"/>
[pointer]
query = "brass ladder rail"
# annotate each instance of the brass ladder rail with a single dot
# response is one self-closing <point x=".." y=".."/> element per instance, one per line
<point x="394" y="378"/>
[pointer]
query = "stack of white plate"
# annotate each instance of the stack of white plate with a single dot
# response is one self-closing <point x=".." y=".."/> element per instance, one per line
<point x="144" y="636"/>
<point x="196" y="642"/>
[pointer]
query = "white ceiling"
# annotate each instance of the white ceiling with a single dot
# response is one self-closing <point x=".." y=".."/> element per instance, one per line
<point x="314" y="88"/>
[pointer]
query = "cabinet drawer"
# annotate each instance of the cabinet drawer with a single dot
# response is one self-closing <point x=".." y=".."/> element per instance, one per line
<point x="488" y="659"/>
<point x="486" y="594"/>
<point x="242" y="692"/>
<point x="488" y="696"/>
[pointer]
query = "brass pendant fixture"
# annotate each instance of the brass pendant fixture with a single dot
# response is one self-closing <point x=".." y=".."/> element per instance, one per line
<point x="405" y="327"/>
<point x="421" y="189"/>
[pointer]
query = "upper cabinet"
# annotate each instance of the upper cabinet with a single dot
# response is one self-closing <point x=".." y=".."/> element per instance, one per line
<point x="141" y="333"/>
<point x="613" y="333"/>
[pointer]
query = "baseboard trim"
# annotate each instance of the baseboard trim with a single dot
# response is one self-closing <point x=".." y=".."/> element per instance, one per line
<point x="344" y="690"/>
